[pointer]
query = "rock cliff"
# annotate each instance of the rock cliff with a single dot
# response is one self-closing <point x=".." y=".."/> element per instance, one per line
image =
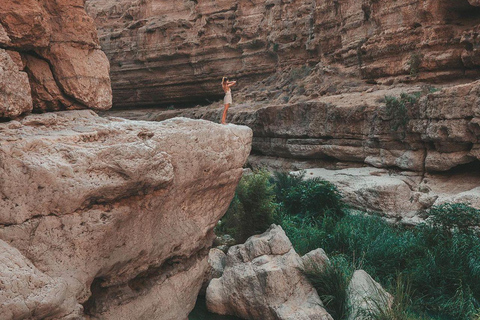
<point x="50" y="58"/>
<point x="160" y="50"/>
<point x="111" y="218"/>
<point x="424" y="146"/>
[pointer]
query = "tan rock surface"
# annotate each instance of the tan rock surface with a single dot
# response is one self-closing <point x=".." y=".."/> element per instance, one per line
<point x="171" y="51"/>
<point x="120" y="211"/>
<point x="401" y="194"/>
<point x="26" y="292"/>
<point x="262" y="280"/>
<point x="59" y="45"/>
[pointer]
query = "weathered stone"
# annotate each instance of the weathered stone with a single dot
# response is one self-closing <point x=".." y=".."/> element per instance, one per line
<point x="216" y="265"/>
<point x="263" y="280"/>
<point x="65" y="66"/>
<point x="366" y="297"/>
<point x="26" y="292"/>
<point x="116" y="210"/>
<point x="315" y="260"/>
<point x="15" y="97"/>
<point x="442" y="130"/>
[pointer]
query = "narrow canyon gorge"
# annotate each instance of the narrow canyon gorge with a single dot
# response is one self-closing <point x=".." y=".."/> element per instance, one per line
<point x="114" y="169"/>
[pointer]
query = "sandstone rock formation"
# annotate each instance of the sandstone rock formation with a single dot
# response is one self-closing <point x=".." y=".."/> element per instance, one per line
<point x="366" y="297"/>
<point x="55" y="43"/>
<point x="106" y="215"/>
<point x="262" y="280"/>
<point x="159" y="49"/>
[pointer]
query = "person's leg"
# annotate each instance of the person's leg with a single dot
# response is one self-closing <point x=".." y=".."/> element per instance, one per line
<point x="224" y="117"/>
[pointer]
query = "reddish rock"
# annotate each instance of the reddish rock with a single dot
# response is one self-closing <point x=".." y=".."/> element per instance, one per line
<point x="173" y="51"/>
<point x="15" y="97"/>
<point x="61" y="55"/>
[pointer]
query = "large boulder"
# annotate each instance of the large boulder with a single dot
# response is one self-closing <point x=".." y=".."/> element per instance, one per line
<point x="263" y="280"/>
<point x="366" y="297"/>
<point x="55" y="43"/>
<point x="115" y="213"/>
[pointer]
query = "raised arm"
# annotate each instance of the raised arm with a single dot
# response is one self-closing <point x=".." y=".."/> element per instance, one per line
<point x="231" y="83"/>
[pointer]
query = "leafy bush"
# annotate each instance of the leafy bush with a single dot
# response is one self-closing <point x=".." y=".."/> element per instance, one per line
<point x="252" y="209"/>
<point x="454" y="216"/>
<point x="441" y="258"/>
<point x="397" y="109"/>
<point x="311" y="197"/>
<point x="414" y="63"/>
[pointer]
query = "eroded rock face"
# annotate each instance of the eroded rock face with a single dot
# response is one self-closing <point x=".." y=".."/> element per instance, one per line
<point x="115" y="213"/>
<point x="56" y="44"/>
<point x="161" y="49"/>
<point x="262" y="280"/>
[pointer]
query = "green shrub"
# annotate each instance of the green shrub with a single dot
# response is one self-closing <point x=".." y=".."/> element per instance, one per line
<point x="454" y="216"/>
<point x="331" y="282"/>
<point x="398" y="109"/>
<point x="252" y="209"/>
<point x="414" y="63"/>
<point x="310" y="197"/>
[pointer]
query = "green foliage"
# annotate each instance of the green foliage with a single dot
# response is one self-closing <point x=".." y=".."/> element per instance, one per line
<point x="454" y="216"/>
<point x="400" y="306"/>
<point x="441" y="258"/>
<point x="331" y="282"/>
<point x="397" y="109"/>
<point x="443" y="267"/>
<point x="311" y="197"/>
<point x="252" y="208"/>
<point x="414" y="63"/>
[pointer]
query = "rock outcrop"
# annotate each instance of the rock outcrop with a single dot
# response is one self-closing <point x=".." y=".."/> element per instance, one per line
<point x="104" y="216"/>
<point x="263" y="280"/>
<point x="160" y="50"/>
<point x="50" y="58"/>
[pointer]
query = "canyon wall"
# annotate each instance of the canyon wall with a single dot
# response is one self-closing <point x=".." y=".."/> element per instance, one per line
<point x="177" y="51"/>
<point x="50" y="58"/>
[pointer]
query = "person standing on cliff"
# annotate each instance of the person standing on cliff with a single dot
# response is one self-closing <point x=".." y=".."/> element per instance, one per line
<point x="226" y="85"/>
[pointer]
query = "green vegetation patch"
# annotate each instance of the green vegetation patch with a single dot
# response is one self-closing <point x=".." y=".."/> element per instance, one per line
<point x="439" y="260"/>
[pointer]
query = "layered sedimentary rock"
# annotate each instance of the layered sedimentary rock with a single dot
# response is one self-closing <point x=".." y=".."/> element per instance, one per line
<point x="110" y="218"/>
<point x="50" y="58"/>
<point x="160" y="50"/>
<point x="437" y="132"/>
<point x="263" y="280"/>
